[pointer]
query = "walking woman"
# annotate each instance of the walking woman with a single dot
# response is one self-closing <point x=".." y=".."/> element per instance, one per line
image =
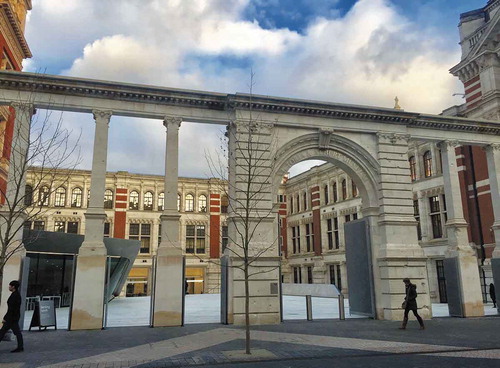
<point x="11" y="319"/>
<point x="410" y="304"/>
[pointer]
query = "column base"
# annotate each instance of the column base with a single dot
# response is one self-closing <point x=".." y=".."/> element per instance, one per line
<point x="169" y="288"/>
<point x="88" y="299"/>
<point x="395" y="264"/>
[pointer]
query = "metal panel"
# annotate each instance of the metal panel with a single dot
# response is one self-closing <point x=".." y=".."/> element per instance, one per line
<point x="224" y="269"/>
<point x="453" y="287"/>
<point x="23" y="279"/>
<point x="495" y="268"/>
<point x="359" y="267"/>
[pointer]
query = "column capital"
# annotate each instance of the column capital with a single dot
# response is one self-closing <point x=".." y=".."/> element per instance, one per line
<point x="172" y="121"/>
<point x="24" y="107"/>
<point x="448" y="143"/>
<point x="102" y="115"/>
<point x="492" y="147"/>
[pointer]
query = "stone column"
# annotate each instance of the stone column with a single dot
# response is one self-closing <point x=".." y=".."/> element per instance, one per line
<point x="14" y="199"/>
<point x="458" y="240"/>
<point x="398" y="254"/>
<point x="87" y="308"/>
<point x="169" y="285"/>
<point x="493" y="159"/>
<point x="251" y="206"/>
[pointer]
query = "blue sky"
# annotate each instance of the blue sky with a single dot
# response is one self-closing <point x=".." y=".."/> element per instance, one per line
<point x="358" y="52"/>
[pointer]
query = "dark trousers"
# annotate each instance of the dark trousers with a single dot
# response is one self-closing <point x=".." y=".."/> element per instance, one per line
<point x="415" y="313"/>
<point x="14" y="326"/>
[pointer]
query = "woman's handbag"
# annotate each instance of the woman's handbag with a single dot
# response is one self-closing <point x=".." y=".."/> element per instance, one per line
<point x="403" y="305"/>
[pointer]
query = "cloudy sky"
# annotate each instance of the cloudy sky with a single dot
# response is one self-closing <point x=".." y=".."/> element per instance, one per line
<point x="359" y="52"/>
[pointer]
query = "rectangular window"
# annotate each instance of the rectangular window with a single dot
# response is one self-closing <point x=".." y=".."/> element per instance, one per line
<point x="141" y="232"/>
<point x="354" y="216"/>
<point x="443" y="298"/>
<point x="309" y="238"/>
<point x="335" y="276"/>
<point x="107" y="229"/>
<point x="329" y="233"/>
<point x="72" y="227"/>
<point x="159" y="234"/>
<point x="27" y="225"/>
<point x="195" y="239"/>
<point x="347" y="218"/>
<point x="437" y="229"/>
<point x="416" y="214"/>
<point x="296" y="239"/>
<point x="59" y="226"/>
<point x="39" y="225"/>
<point x="297" y="276"/>
<point x="225" y="238"/>
<point x="336" y="233"/>
<point x="309" y="275"/>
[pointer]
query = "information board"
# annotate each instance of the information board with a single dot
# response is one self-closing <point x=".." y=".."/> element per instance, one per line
<point x="44" y="315"/>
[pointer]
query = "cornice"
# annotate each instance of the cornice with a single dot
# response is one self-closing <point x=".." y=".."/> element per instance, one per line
<point x="70" y="86"/>
<point x="6" y="8"/>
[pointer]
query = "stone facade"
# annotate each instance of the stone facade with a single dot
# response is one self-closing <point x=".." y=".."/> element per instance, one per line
<point x="133" y="205"/>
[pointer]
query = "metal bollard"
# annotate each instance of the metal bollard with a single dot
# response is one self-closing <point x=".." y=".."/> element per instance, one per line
<point x="309" y="308"/>
<point x="341" y="307"/>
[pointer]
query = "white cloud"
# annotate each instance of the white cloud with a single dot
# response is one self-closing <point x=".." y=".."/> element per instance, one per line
<point x="366" y="57"/>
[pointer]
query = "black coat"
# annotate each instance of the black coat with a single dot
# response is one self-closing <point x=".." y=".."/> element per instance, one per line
<point x="14" y="308"/>
<point x="411" y="296"/>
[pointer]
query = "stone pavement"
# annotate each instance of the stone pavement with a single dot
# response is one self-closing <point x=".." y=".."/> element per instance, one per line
<point x="289" y="344"/>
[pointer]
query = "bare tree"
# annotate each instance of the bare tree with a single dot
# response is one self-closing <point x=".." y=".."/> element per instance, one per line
<point x="38" y="154"/>
<point x="251" y="204"/>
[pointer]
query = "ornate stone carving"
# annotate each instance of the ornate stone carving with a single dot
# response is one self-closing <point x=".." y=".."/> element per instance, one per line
<point x="325" y="136"/>
<point x="23" y="107"/>
<point x="394" y="138"/>
<point x="102" y="115"/>
<point x="443" y="145"/>
<point x="174" y="122"/>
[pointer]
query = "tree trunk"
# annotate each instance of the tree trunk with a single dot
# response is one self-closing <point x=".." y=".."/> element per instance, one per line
<point x="247" y="311"/>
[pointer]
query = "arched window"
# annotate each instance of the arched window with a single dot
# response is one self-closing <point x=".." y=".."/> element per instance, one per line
<point x="189" y="203"/>
<point x="344" y="189"/>
<point x="354" y="189"/>
<point x="413" y="168"/>
<point x="304" y="197"/>
<point x="224" y="204"/>
<point x="148" y="201"/>
<point x="60" y="197"/>
<point x="325" y="190"/>
<point x="178" y="202"/>
<point x="291" y="205"/>
<point x="202" y="203"/>
<point x="427" y="164"/>
<point x="76" y="198"/>
<point x="28" y="195"/>
<point x="108" y="199"/>
<point x="133" y="200"/>
<point x="335" y="193"/>
<point x="298" y="203"/>
<point x="43" y="196"/>
<point x="161" y="201"/>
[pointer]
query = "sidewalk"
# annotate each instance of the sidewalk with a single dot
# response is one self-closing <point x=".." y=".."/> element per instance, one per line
<point x="212" y="344"/>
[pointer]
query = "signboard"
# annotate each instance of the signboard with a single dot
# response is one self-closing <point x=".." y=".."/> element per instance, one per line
<point x="44" y="315"/>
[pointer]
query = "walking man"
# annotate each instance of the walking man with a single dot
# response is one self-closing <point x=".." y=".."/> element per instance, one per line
<point x="410" y="304"/>
<point x="11" y="318"/>
<point x="493" y="295"/>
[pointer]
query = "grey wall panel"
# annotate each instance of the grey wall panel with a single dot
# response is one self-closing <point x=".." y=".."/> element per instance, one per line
<point x="453" y="287"/>
<point x="224" y="289"/>
<point x="359" y="267"/>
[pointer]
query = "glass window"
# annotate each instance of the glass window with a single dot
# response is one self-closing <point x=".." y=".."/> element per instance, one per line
<point x="335" y="194"/>
<point x="43" y="196"/>
<point x="344" y="189"/>
<point x="304" y="203"/>
<point x="309" y="238"/>
<point x="39" y="225"/>
<point x="72" y="227"/>
<point x="148" y="201"/>
<point x="76" y="198"/>
<point x="28" y="195"/>
<point x="325" y="192"/>
<point x="354" y="189"/>
<point x="178" y="202"/>
<point x="224" y="204"/>
<point x="59" y="226"/>
<point x="200" y="239"/>
<point x="297" y="276"/>
<point x="189" y="203"/>
<point x="161" y="201"/>
<point x="309" y="274"/>
<point x="60" y="197"/>
<point x="195" y="239"/>
<point x="437" y="228"/>
<point x="413" y="168"/>
<point x="107" y="229"/>
<point x="108" y="199"/>
<point x="225" y="238"/>
<point x="347" y="218"/>
<point x="416" y="213"/>
<point x="141" y="232"/>
<point x="427" y="164"/>
<point x="290" y="210"/>
<point x="296" y="239"/>
<point x="202" y="203"/>
<point x="133" y="202"/>
<point x="298" y="203"/>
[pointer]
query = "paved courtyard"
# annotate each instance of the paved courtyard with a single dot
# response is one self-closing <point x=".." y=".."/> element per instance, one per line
<point x="447" y="342"/>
